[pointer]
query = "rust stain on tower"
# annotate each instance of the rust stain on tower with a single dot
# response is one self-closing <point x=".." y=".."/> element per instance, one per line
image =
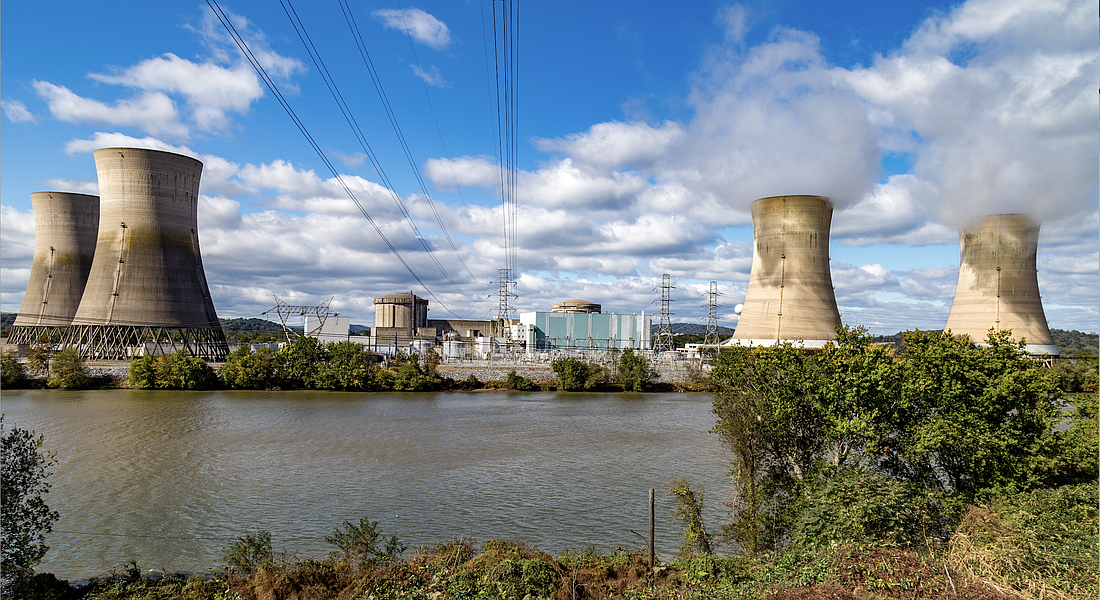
<point x="998" y="284"/>
<point x="790" y="294"/>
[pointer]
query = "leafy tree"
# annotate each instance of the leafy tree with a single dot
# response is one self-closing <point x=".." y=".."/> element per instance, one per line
<point x="298" y="364"/>
<point x="976" y="418"/>
<point x="634" y="373"/>
<point x="68" y="371"/>
<point x="27" y="517"/>
<point x="13" y="374"/>
<point x="248" y="370"/>
<point x="142" y="373"/>
<point x="349" y="367"/>
<point x="409" y="378"/>
<point x="38" y="357"/>
<point x="177" y="371"/>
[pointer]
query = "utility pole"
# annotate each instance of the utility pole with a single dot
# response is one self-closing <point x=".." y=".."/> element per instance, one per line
<point x="710" y="338"/>
<point x="663" y="340"/>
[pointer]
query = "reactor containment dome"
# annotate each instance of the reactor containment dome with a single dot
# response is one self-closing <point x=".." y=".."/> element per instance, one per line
<point x="998" y="283"/>
<point x="790" y="293"/>
<point x="65" y="226"/>
<point x="147" y="292"/>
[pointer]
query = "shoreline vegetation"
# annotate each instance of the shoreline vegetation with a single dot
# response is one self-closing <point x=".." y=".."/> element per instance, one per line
<point x="939" y="469"/>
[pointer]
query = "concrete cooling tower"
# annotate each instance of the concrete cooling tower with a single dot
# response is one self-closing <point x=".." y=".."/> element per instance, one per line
<point x="998" y="285"/>
<point x="147" y="291"/>
<point x="790" y="294"/>
<point x="65" y="226"/>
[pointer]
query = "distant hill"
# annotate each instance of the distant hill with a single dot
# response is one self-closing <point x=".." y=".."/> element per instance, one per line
<point x="251" y="325"/>
<point x="6" y="319"/>
<point x="1072" y="342"/>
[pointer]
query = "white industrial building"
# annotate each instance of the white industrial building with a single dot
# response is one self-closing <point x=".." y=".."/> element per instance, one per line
<point x="584" y="331"/>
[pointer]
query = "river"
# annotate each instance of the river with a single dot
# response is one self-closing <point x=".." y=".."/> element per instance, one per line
<point x="170" y="478"/>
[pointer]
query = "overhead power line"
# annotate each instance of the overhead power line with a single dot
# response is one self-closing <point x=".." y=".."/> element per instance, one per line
<point x="334" y="90"/>
<point x="270" y="83"/>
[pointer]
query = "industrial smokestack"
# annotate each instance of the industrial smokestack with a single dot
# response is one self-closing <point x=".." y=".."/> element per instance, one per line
<point x="790" y="295"/>
<point x="147" y="286"/>
<point x="65" y="226"/>
<point x="998" y="285"/>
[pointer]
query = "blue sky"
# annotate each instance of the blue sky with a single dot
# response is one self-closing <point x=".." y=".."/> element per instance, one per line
<point x="645" y="131"/>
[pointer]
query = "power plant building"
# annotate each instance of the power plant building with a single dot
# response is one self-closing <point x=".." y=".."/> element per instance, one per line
<point x="146" y="288"/>
<point x="65" y="227"/>
<point x="586" y="331"/>
<point x="790" y="293"/>
<point x="998" y="284"/>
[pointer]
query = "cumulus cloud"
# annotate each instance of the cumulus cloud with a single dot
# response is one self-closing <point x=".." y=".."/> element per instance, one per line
<point x="211" y="90"/>
<point x="153" y="112"/>
<point x="17" y="112"/>
<point x="999" y="95"/>
<point x="420" y="25"/>
<point x="431" y="76"/>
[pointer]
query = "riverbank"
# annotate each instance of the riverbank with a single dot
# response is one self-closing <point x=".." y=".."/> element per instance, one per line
<point x="512" y="571"/>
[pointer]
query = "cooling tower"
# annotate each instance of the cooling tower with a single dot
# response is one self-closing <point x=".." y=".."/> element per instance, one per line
<point x="146" y="291"/>
<point x="998" y="287"/>
<point x="790" y="294"/>
<point x="65" y="226"/>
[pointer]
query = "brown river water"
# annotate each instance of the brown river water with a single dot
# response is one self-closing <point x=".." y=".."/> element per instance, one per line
<point x="170" y="478"/>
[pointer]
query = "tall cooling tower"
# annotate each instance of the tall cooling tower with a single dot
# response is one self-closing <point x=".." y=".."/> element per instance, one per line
<point x="65" y="226"/>
<point x="147" y="288"/>
<point x="790" y="295"/>
<point x="998" y="286"/>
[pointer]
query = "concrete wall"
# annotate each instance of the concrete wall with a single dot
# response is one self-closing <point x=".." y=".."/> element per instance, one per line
<point x="998" y="283"/>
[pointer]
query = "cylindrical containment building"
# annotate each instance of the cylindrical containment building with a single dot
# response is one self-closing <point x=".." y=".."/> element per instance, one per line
<point x="65" y="226"/>
<point x="790" y="294"/>
<point x="998" y="283"/>
<point x="147" y="292"/>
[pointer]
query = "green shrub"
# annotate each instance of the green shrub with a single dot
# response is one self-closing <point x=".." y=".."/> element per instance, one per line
<point x="689" y="510"/>
<point x="363" y="546"/>
<point x="409" y="378"/>
<point x="575" y="375"/>
<point x="249" y="552"/>
<point x="68" y="371"/>
<point x="143" y="373"/>
<point x="248" y="370"/>
<point x="852" y="505"/>
<point x="519" y="382"/>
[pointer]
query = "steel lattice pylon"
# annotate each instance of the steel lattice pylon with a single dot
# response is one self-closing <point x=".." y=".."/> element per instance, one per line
<point x="504" y="310"/>
<point x="710" y="338"/>
<point x="662" y="340"/>
<point x="285" y="310"/>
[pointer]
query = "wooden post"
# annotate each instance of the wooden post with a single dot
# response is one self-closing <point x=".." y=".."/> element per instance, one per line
<point x="651" y="573"/>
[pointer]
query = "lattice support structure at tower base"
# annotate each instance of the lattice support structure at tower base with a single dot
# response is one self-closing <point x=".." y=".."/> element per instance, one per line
<point x="124" y="342"/>
<point x="32" y="334"/>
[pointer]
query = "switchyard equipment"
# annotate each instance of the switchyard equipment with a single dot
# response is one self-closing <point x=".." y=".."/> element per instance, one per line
<point x="146" y="290"/>
<point x="998" y="283"/>
<point x="790" y="294"/>
<point x="65" y="226"/>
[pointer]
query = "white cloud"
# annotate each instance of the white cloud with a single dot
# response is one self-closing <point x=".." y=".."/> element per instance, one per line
<point x="210" y="90"/>
<point x="422" y="26"/>
<point x="17" y="112"/>
<point x="431" y="76"/>
<point x="614" y="145"/>
<point x="74" y="185"/>
<point x="153" y="112"/>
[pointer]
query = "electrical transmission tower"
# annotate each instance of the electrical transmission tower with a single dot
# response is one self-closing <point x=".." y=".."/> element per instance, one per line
<point x="504" y="311"/>
<point x="663" y="339"/>
<point x="710" y="338"/>
<point x="285" y="311"/>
